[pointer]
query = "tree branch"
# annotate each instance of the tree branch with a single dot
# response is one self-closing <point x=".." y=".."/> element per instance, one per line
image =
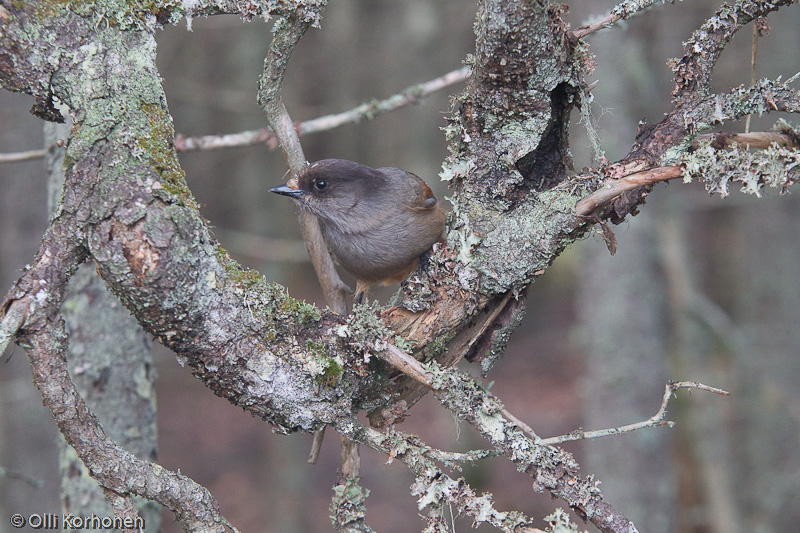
<point x="286" y="35"/>
<point x="613" y="188"/>
<point x="693" y="71"/>
<point x="654" y="421"/>
<point x="433" y="487"/>
<point x="622" y="11"/>
<point x="113" y="467"/>
<point x="366" y="111"/>
<point x="470" y="402"/>
<point x="14" y="157"/>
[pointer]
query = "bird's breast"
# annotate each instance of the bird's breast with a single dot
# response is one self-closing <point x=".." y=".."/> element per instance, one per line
<point x="382" y="252"/>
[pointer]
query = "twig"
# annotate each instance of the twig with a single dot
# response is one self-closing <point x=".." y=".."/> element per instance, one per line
<point x="13" y="157"/>
<point x="316" y="446"/>
<point x="414" y="369"/>
<point x="185" y="143"/>
<point x="522" y="425"/>
<point x="433" y="486"/>
<point x="614" y="188"/>
<point x="19" y="476"/>
<point x="753" y="51"/>
<point x="694" y="69"/>
<point x="756" y="139"/>
<point x="348" y="499"/>
<point x="625" y="10"/>
<point x="654" y="421"/>
<point x="369" y="110"/>
<point x="287" y="34"/>
<point x="365" y="111"/>
<point x="509" y="436"/>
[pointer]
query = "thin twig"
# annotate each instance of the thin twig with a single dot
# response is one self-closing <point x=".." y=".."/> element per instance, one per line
<point x="522" y="425"/>
<point x="13" y="157"/>
<point x="433" y="485"/>
<point x="19" y="476"/>
<point x="753" y="50"/>
<point x="756" y="139"/>
<point x="286" y="37"/>
<point x="369" y="110"/>
<point x="316" y="446"/>
<point x="702" y="50"/>
<point x="654" y="421"/>
<point x="625" y="10"/>
<point x="414" y="369"/>
<point x="365" y="111"/>
<point x="615" y="187"/>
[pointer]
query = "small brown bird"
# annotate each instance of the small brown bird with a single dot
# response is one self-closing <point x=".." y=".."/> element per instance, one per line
<point x="377" y="222"/>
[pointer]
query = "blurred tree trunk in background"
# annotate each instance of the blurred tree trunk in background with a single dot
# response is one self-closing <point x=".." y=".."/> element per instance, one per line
<point x="621" y="300"/>
<point x="28" y="443"/>
<point x="765" y="261"/>
<point x="623" y="329"/>
<point x="109" y="362"/>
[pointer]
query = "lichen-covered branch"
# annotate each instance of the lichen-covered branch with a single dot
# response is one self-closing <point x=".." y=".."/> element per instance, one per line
<point x="40" y="293"/>
<point x="552" y="469"/>
<point x="775" y="167"/>
<point x="693" y="71"/>
<point x="695" y="109"/>
<point x="114" y="468"/>
<point x="622" y="11"/>
<point x="286" y="35"/>
<point x="433" y="487"/>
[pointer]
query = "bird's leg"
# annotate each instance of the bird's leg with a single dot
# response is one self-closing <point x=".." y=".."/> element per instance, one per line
<point x="424" y="261"/>
<point x="362" y="292"/>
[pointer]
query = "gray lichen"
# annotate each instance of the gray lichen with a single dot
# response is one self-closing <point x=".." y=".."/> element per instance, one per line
<point x="773" y="167"/>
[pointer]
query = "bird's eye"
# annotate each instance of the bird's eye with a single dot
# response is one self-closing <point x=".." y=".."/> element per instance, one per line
<point x="320" y="185"/>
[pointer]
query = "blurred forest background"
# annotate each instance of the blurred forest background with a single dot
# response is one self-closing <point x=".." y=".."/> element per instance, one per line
<point x="701" y="288"/>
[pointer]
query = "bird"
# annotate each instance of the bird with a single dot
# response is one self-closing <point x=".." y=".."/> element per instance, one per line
<point x="377" y="222"/>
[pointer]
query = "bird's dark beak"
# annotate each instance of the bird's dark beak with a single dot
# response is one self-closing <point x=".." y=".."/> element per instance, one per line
<point x="285" y="190"/>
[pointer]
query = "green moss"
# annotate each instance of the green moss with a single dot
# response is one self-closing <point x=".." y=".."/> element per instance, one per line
<point x="269" y="301"/>
<point x="156" y="146"/>
<point x="46" y="10"/>
<point x="326" y="369"/>
<point x="122" y="14"/>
